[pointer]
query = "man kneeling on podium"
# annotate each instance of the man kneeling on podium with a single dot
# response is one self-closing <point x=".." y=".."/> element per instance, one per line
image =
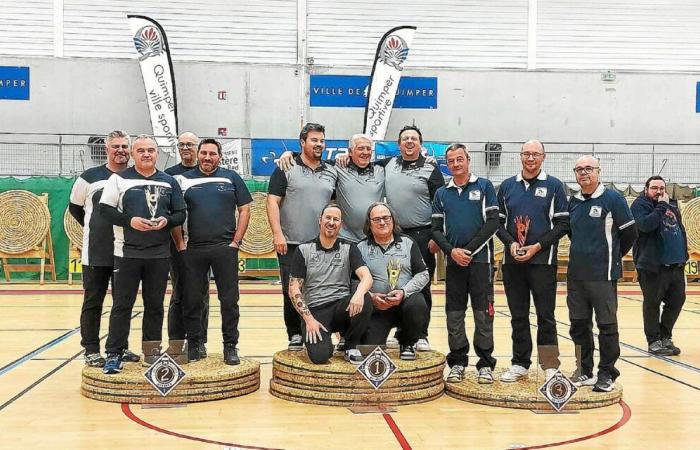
<point x="323" y="268"/>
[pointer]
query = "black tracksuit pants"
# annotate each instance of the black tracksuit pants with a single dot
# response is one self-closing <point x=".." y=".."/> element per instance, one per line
<point x="95" y="284"/>
<point x="223" y="260"/>
<point x="422" y="236"/>
<point x="519" y="280"/>
<point x="409" y="317"/>
<point x="128" y="273"/>
<point x="292" y="320"/>
<point x="666" y="286"/>
<point x="176" y="321"/>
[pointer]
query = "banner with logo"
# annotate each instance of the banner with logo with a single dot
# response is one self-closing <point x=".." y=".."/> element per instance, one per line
<point x="392" y="52"/>
<point x="232" y="156"/>
<point x="158" y="79"/>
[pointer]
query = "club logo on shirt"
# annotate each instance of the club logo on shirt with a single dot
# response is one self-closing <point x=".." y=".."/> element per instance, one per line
<point x="315" y="258"/>
<point x="337" y="260"/>
<point x="541" y="192"/>
<point x="474" y="195"/>
<point x="596" y="211"/>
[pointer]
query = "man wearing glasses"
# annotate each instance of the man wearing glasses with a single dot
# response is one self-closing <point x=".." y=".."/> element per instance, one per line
<point x="534" y="216"/>
<point x="187" y="147"/>
<point x="602" y="232"/>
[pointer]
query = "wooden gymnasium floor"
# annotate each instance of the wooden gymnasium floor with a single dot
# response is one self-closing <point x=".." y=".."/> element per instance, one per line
<point x="41" y="405"/>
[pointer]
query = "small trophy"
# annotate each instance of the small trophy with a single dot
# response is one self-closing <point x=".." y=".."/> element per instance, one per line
<point x="152" y="196"/>
<point x="522" y="225"/>
<point x="393" y="270"/>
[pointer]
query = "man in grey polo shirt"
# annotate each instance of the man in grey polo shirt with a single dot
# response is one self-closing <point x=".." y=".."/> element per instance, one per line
<point x="322" y="269"/>
<point x="294" y="203"/>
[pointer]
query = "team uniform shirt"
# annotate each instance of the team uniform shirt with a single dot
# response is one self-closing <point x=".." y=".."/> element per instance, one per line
<point x="674" y="247"/>
<point x="463" y="209"/>
<point x="402" y="253"/>
<point x="127" y="192"/>
<point x="534" y="205"/>
<point x="596" y="223"/>
<point x="410" y="187"/>
<point x="98" y="236"/>
<point x="326" y="272"/>
<point x="305" y="192"/>
<point x="211" y="204"/>
<point x="356" y="190"/>
<point x="178" y="169"/>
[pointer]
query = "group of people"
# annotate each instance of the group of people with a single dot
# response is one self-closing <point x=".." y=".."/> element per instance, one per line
<point x="356" y="241"/>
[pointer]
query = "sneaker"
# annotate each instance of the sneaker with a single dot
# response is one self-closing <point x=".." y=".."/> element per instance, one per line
<point x="296" y="344"/>
<point x="113" y="364"/>
<point x="513" y="374"/>
<point x="202" y="350"/>
<point x="581" y="379"/>
<point x="456" y="374"/>
<point x="130" y="356"/>
<point x="354" y="356"/>
<point x="485" y="376"/>
<point x="657" y="348"/>
<point x="392" y="342"/>
<point x="193" y="352"/>
<point x="231" y="355"/>
<point x="423" y="345"/>
<point x="668" y="343"/>
<point x="549" y="373"/>
<point x="408" y="353"/>
<point x="340" y="346"/>
<point x="604" y="384"/>
<point x="94" y="360"/>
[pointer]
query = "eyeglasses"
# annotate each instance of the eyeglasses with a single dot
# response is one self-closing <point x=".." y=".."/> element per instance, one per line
<point x="585" y="170"/>
<point x="528" y="155"/>
<point x="186" y="145"/>
<point x="117" y="147"/>
<point x="380" y="219"/>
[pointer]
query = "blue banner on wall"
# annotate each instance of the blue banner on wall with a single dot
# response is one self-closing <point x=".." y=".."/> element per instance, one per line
<point x="14" y="83"/>
<point x="350" y="91"/>
<point x="697" y="97"/>
<point x="264" y="152"/>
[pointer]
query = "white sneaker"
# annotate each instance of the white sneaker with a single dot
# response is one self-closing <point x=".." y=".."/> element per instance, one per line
<point x="513" y="374"/>
<point x="549" y="373"/>
<point x="392" y="342"/>
<point x="485" y="376"/>
<point x="423" y="345"/>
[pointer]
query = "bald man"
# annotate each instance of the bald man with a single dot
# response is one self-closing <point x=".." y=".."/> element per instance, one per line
<point x="602" y="232"/>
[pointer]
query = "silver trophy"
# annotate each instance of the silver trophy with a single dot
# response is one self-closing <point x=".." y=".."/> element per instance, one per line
<point x="152" y="195"/>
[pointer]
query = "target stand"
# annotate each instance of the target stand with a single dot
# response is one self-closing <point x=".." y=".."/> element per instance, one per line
<point x="204" y="380"/>
<point x="338" y="382"/>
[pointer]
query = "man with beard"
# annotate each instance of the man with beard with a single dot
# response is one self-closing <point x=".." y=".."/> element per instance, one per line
<point x="213" y="195"/>
<point x="660" y="254"/>
<point x="187" y="147"/>
<point x="399" y="273"/>
<point x="465" y="218"/>
<point x="294" y="203"/>
<point x="602" y="232"/>
<point x="97" y="254"/>
<point x="319" y="286"/>
<point x="143" y="204"/>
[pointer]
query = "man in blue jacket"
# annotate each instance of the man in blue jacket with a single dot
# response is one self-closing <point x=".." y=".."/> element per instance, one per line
<point x="660" y="254"/>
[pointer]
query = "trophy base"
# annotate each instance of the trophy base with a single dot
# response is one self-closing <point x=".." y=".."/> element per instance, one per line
<point x="205" y="380"/>
<point x="338" y="383"/>
<point x="524" y="393"/>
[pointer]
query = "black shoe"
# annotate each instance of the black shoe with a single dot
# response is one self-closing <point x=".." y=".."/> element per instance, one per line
<point x="129" y="356"/>
<point x="407" y="353"/>
<point x="94" y="360"/>
<point x="193" y="352"/>
<point x="340" y="346"/>
<point x="202" y="350"/>
<point x="296" y="344"/>
<point x="668" y="343"/>
<point x="231" y="355"/>
<point x="604" y="384"/>
<point x="657" y="348"/>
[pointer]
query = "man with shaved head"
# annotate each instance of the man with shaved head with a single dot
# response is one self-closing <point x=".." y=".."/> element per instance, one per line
<point x="602" y="232"/>
<point x="534" y="216"/>
<point x="187" y="144"/>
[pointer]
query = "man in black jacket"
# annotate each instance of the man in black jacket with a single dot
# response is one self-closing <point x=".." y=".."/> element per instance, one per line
<point x="660" y="254"/>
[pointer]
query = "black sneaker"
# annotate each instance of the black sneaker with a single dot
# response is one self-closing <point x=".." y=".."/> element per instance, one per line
<point x="202" y="350"/>
<point x="296" y="344"/>
<point x="193" y="352"/>
<point x="130" y="356"/>
<point x="407" y="353"/>
<point x="657" y="348"/>
<point x="582" y="379"/>
<point x="340" y="346"/>
<point x="354" y="356"/>
<point x="231" y="355"/>
<point x="668" y="343"/>
<point x="604" y="384"/>
<point x="113" y="364"/>
<point x="94" y="360"/>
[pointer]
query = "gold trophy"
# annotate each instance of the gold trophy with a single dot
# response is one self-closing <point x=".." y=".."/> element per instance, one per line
<point x="393" y="270"/>
<point x="152" y="195"/>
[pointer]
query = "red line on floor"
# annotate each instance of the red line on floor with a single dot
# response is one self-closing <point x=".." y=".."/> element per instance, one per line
<point x="626" y="415"/>
<point x="397" y="432"/>
<point x="126" y="409"/>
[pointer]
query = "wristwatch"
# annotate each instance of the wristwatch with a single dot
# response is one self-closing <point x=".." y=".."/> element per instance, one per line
<point x="238" y="243"/>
